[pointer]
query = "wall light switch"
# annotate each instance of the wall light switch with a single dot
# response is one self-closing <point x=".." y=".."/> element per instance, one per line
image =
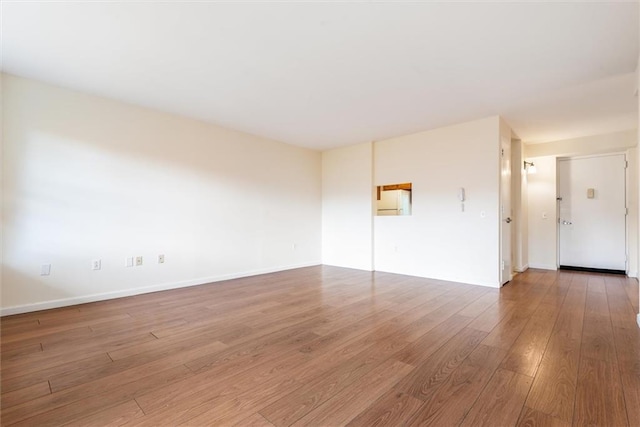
<point x="128" y="262"/>
<point x="45" y="270"/>
<point x="591" y="193"/>
<point x="160" y="259"/>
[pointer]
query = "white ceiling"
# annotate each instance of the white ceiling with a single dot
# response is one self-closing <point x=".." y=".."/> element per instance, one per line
<point x="322" y="75"/>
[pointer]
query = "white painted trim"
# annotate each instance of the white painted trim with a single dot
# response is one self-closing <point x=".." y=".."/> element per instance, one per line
<point x="633" y="274"/>
<point x="523" y="268"/>
<point x="347" y="266"/>
<point x="638" y="319"/>
<point x="544" y="266"/>
<point x="45" y="305"/>
<point x="590" y="156"/>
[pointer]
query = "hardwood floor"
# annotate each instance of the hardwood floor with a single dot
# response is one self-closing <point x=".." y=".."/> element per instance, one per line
<point x="327" y="346"/>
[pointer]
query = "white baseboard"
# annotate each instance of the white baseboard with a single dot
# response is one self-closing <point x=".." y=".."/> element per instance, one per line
<point x="638" y="320"/>
<point x="633" y="274"/>
<point x="83" y="299"/>
<point x="543" y="266"/>
<point x="523" y="268"/>
<point x="359" y="267"/>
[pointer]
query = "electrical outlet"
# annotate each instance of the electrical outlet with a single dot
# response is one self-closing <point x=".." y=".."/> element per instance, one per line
<point x="128" y="262"/>
<point x="160" y="259"/>
<point x="138" y="261"/>
<point x="96" y="264"/>
<point x="45" y="270"/>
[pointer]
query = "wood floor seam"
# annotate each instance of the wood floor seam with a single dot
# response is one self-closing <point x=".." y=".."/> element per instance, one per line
<point x="580" y="356"/>
<point x="332" y="346"/>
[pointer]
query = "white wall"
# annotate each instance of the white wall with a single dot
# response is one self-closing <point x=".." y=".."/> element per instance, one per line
<point x="542" y="214"/>
<point x="88" y="178"/>
<point x="2" y="221"/>
<point x="518" y="205"/>
<point x="524" y="220"/>
<point x="595" y="144"/>
<point x="637" y="180"/>
<point x="439" y="240"/>
<point x="347" y="207"/>
<point x="632" y="217"/>
<point x="542" y="192"/>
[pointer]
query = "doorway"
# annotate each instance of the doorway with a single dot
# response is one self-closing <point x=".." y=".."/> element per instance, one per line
<point x="506" y="270"/>
<point x="592" y="213"/>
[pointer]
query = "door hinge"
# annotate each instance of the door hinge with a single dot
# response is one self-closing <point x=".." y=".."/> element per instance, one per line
<point x="502" y="152"/>
<point x="502" y="264"/>
<point x="626" y="164"/>
<point x="626" y="211"/>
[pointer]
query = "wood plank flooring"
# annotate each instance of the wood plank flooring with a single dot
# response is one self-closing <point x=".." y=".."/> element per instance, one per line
<point x="328" y="346"/>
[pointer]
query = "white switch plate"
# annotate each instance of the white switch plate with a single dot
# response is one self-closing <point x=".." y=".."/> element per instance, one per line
<point x="138" y="261"/>
<point x="160" y="259"/>
<point x="128" y="262"/>
<point x="45" y="269"/>
<point x="96" y="264"/>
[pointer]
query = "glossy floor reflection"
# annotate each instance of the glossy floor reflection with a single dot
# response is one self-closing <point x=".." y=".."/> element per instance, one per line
<point x="327" y="346"/>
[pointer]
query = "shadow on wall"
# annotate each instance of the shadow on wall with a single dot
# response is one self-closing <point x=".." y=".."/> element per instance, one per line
<point x="46" y="289"/>
<point x="88" y="178"/>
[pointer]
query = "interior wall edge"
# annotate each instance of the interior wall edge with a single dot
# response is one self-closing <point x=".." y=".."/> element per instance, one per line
<point x="83" y="299"/>
<point x="543" y="266"/>
<point x="92" y="180"/>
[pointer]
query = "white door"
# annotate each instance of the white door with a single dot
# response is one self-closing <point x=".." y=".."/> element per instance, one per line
<point x="592" y="212"/>
<point x="505" y="211"/>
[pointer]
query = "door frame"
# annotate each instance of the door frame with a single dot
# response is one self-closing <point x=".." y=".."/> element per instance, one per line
<point x="507" y="141"/>
<point x="626" y="201"/>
